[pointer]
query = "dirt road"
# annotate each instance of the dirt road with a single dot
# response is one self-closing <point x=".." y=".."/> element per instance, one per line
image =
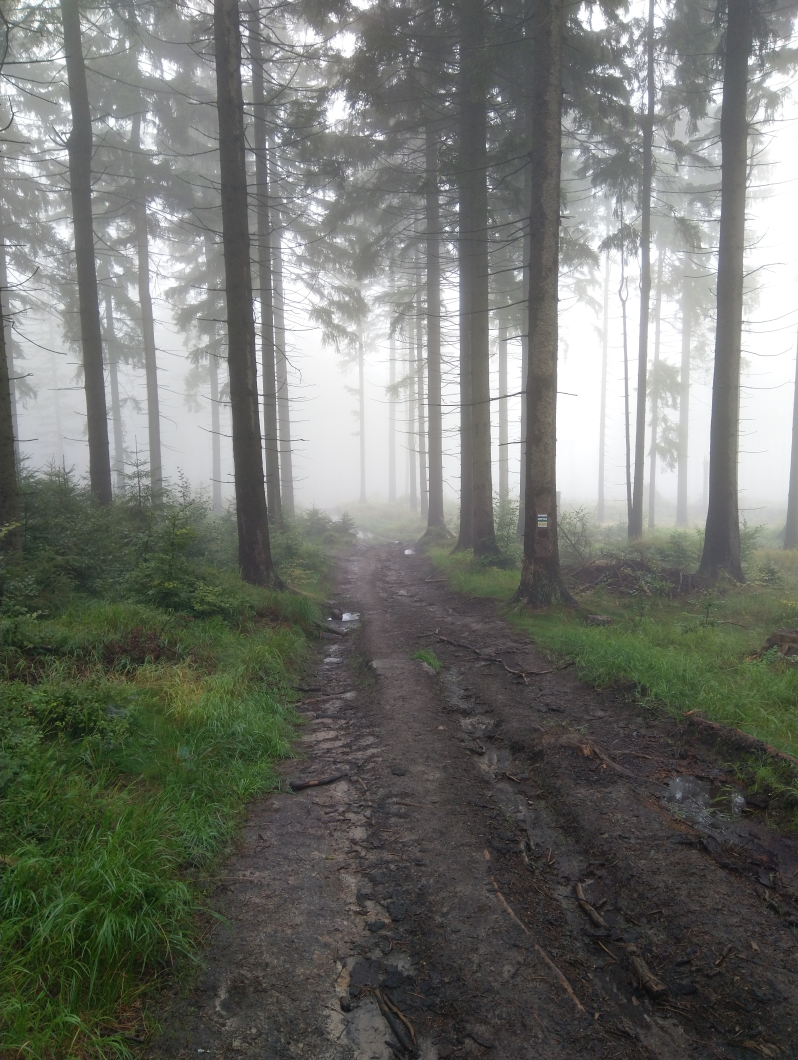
<point x="428" y="903"/>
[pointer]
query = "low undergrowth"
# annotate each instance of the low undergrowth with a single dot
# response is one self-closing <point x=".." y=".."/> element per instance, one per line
<point x="686" y="653"/>
<point x="146" y="698"/>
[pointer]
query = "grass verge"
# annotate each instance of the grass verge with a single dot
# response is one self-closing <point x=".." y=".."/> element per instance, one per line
<point x="146" y="699"/>
<point x="686" y="654"/>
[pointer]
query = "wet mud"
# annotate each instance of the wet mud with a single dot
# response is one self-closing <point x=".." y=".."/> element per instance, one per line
<point x="509" y="865"/>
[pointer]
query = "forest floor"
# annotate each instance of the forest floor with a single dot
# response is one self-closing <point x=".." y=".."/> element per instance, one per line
<point x="427" y="902"/>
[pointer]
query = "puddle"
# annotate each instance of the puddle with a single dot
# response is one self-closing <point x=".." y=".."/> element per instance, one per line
<point x="697" y="800"/>
<point x="410" y="552"/>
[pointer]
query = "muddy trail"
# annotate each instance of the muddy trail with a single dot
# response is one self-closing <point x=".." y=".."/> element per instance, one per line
<point x="513" y="866"/>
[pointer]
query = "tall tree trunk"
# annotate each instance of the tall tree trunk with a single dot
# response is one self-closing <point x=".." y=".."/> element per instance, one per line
<point x="605" y="348"/>
<point x="791" y="526"/>
<point x="391" y="412"/>
<point x="722" y="537"/>
<point x="79" y="149"/>
<point x="281" y="350"/>
<point x="116" y="405"/>
<point x="422" y="427"/>
<point x="8" y="336"/>
<point x="11" y="538"/>
<point x="262" y="210"/>
<point x="635" y="528"/>
<point x="216" y="441"/>
<point x="684" y="406"/>
<point x="528" y="91"/>
<point x="411" y="424"/>
<point x="652" y="475"/>
<point x="254" y="550"/>
<point x="59" y="423"/>
<point x="213" y="378"/>
<point x="476" y="484"/>
<point x="147" y="319"/>
<point x="435" y="517"/>
<point x="541" y="580"/>
<point x="504" y="448"/>
<point x="361" y="396"/>
<point x="623" y="294"/>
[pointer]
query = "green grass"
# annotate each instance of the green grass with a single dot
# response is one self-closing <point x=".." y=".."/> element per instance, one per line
<point x="428" y="656"/>
<point x="146" y="698"/>
<point x="122" y="785"/>
<point x="680" y="655"/>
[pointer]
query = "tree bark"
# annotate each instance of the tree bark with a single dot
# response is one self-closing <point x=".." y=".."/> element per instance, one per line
<point x="791" y="526"/>
<point x="361" y="395"/>
<point x="476" y="483"/>
<point x="11" y="538"/>
<point x="116" y="405"/>
<point x="722" y="537"/>
<point x="8" y="336"/>
<point x="281" y="352"/>
<point x="635" y="528"/>
<point x="254" y="550"/>
<point x="605" y="347"/>
<point x="411" y="422"/>
<point x="422" y="427"/>
<point x="147" y="318"/>
<point x="216" y="441"/>
<point x="262" y="211"/>
<point x="435" y="517"/>
<point x="652" y="475"/>
<point x="541" y="580"/>
<point x="684" y="406"/>
<point x="391" y="412"/>
<point x="504" y="449"/>
<point x="79" y="149"/>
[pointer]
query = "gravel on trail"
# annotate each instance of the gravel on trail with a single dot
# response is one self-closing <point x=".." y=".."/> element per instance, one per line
<point x="508" y="865"/>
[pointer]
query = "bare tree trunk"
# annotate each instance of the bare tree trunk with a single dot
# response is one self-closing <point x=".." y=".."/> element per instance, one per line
<point x="391" y="413"/>
<point x="541" y="580"/>
<point x="262" y="210"/>
<point x="79" y="149"/>
<point x="684" y="407"/>
<point x="116" y="406"/>
<point x="281" y="351"/>
<point x="722" y="536"/>
<point x="652" y="485"/>
<point x="623" y="294"/>
<point x="411" y="426"/>
<point x="474" y="285"/>
<point x="528" y="89"/>
<point x="636" y="521"/>
<point x="504" y="449"/>
<point x="11" y="538"/>
<point x="791" y="526"/>
<point x="605" y="347"/>
<point x="216" y="441"/>
<point x="147" y="319"/>
<point x="435" y="517"/>
<point x="213" y="378"/>
<point x="361" y="393"/>
<point x="254" y="550"/>
<point x="422" y="427"/>
<point x="8" y="336"/>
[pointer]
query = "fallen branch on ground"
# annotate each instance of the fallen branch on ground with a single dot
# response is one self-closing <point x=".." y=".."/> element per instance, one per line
<point x="593" y="915"/>
<point x="300" y="785"/>
<point x="561" y="978"/>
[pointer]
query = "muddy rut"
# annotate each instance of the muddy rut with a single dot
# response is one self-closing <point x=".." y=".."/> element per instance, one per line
<point x="514" y="866"/>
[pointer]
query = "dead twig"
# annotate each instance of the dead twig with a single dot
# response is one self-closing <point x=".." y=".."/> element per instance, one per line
<point x="404" y="1020"/>
<point x="608" y="952"/>
<point x="560" y="977"/>
<point x="300" y="785"/>
<point x="643" y="975"/>
<point x="397" y="1028"/>
<point x="593" y="915"/>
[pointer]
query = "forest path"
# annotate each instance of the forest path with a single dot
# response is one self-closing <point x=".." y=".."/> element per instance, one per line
<point x="438" y="879"/>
